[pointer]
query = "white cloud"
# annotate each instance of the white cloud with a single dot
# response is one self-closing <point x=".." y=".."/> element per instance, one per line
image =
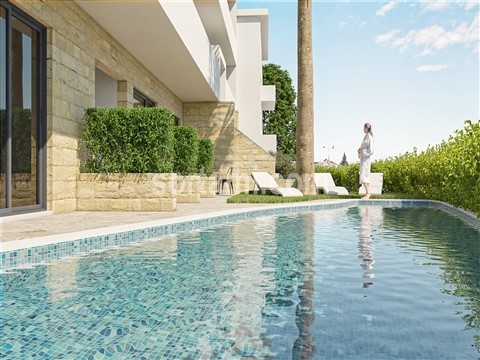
<point x="469" y="4"/>
<point x="432" y="68"/>
<point x="425" y="52"/>
<point x="354" y="20"/>
<point x="385" y="8"/>
<point x="433" y="38"/>
<point x="404" y="42"/>
<point x="379" y="39"/>
<point x="437" y="5"/>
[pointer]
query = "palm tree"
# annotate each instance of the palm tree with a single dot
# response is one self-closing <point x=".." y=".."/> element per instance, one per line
<point x="304" y="134"/>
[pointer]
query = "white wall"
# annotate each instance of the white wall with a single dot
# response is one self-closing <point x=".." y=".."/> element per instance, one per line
<point x="105" y="89"/>
<point x="185" y="18"/>
<point x="250" y="80"/>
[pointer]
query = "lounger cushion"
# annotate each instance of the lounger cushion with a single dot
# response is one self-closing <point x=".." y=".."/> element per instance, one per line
<point x="266" y="182"/>
<point x="324" y="181"/>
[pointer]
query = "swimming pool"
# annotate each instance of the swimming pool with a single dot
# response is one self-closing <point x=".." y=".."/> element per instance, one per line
<point x="353" y="282"/>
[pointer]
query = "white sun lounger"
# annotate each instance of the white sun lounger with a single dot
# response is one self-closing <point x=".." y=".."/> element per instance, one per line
<point x="376" y="185"/>
<point x="324" y="181"/>
<point x="265" y="182"/>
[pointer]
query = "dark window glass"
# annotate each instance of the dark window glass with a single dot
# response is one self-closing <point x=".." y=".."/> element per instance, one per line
<point x="21" y="71"/>
<point x="3" y="106"/>
<point x="24" y="90"/>
<point x="140" y="100"/>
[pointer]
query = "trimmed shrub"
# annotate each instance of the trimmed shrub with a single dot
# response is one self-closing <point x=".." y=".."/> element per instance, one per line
<point x="206" y="154"/>
<point x="447" y="172"/>
<point x="284" y="164"/>
<point x="186" y="150"/>
<point x="128" y="140"/>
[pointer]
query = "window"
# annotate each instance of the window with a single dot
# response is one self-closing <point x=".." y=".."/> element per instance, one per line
<point x="140" y="100"/>
<point x="22" y="115"/>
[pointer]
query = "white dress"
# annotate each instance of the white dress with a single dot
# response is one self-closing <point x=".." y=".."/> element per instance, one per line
<point x="366" y="151"/>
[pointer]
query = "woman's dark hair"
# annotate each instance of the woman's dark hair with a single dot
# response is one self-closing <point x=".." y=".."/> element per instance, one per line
<point x="369" y="127"/>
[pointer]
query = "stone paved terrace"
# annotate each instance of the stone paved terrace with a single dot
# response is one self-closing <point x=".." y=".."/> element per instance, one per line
<point x="39" y="225"/>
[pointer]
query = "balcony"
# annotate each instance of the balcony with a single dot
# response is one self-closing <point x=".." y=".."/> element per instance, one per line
<point x="267" y="96"/>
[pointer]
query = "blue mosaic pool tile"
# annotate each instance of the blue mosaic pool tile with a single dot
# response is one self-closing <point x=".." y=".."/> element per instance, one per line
<point x="41" y="254"/>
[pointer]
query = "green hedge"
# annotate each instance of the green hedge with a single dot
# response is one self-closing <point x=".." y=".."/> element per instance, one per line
<point x="128" y="140"/>
<point x="186" y="150"/>
<point x="142" y="140"/>
<point x="206" y="155"/>
<point x="447" y="172"/>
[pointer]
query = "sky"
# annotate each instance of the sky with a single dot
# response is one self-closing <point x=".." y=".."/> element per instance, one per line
<point x="410" y="68"/>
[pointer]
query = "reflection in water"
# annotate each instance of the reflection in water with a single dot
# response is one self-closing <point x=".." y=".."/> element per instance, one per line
<point x="365" y="246"/>
<point x="288" y="313"/>
<point x="304" y="347"/>
<point x="371" y="217"/>
<point x="249" y="286"/>
<point x="270" y="288"/>
<point x="451" y="242"/>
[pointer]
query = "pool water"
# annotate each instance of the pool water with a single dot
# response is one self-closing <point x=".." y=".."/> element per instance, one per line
<point x="350" y="283"/>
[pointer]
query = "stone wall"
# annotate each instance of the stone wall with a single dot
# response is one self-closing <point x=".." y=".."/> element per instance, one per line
<point x="219" y="123"/>
<point x="191" y="188"/>
<point x="126" y="192"/>
<point x="76" y="45"/>
<point x="249" y="157"/>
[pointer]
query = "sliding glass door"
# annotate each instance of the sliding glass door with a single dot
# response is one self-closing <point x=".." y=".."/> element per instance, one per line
<point x="22" y="98"/>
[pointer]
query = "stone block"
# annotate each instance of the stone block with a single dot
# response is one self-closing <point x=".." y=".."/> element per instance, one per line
<point x="148" y="205"/>
<point x="126" y="192"/>
<point x="208" y="188"/>
<point x="188" y="198"/>
<point x="168" y="204"/>
<point x="59" y="206"/>
<point x="85" y="190"/>
<point x="107" y="190"/>
<point x="70" y="205"/>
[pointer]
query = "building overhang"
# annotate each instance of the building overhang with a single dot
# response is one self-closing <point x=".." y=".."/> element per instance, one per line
<point x="219" y="32"/>
<point x="260" y="15"/>
<point x="146" y="31"/>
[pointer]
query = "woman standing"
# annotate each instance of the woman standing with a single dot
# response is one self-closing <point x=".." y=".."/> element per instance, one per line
<point x="365" y="151"/>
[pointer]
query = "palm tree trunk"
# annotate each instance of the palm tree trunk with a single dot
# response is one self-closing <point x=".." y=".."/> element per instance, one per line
<point x="304" y="135"/>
